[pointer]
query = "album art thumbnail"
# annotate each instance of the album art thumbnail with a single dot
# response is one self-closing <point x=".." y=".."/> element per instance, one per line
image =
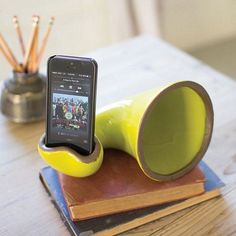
<point x="69" y="112"/>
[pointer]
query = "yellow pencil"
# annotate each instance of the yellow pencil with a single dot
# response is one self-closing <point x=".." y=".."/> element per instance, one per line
<point x="35" y="53"/>
<point x="45" y="39"/>
<point x="19" y="34"/>
<point x="31" y="42"/>
<point x="32" y="53"/>
<point x="9" y="55"/>
<point x="32" y="66"/>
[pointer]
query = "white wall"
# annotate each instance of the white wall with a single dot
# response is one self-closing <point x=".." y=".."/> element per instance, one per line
<point x="84" y="25"/>
<point x="80" y="25"/>
<point x="193" y="23"/>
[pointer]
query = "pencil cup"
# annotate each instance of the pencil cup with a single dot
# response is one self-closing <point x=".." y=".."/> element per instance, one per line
<point x="69" y="161"/>
<point x="23" y="97"/>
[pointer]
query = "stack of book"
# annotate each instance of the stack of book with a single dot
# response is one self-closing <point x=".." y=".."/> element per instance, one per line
<point x="120" y="197"/>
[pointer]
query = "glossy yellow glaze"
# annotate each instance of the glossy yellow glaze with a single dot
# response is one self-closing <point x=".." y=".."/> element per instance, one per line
<point x="70" y="162"/>
<point x="167" y="130"/>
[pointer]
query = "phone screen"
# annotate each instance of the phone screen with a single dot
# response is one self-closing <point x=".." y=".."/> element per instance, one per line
<point x="71" y="102"/>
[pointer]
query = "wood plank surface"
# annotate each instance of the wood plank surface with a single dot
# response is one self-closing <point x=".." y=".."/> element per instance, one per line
<point x="125" y="69"/>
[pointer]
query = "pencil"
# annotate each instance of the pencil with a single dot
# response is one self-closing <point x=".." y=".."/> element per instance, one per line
<point x="32" y="66"/>
<point x="9" y="55"/>
<point x="45" y="39"/>
<point x="19" y="34"/>
<point x="35" y="53"/>
<point x="31" y="42"/>
<point x="33" y="56"/>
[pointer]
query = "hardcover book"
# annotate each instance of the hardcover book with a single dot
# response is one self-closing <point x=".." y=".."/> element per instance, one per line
<point x="120" y="185"/>
<point x="120" y="222"/>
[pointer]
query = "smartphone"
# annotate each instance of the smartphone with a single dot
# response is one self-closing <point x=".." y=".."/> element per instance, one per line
<point x="71" y="101"/>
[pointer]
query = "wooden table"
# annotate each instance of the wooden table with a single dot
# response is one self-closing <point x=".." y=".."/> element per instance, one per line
<point x="125" y="69"/>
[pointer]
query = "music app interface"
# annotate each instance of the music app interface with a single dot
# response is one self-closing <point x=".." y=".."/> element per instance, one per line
<point x="70" y="98"/>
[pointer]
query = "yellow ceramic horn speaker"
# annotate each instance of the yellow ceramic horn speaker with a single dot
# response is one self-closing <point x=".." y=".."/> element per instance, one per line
<point x="70" y="162"/>
<point x="167" y="130"/>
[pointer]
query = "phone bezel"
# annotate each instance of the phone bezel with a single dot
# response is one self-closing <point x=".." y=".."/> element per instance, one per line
<point x="92" y="107"/>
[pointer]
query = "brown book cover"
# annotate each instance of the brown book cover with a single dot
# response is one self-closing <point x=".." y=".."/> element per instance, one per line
<point x="120" y="185"/>
<point x="121" y="222"/>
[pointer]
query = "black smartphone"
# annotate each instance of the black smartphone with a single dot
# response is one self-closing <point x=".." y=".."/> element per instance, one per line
<point x="71" y="101"/>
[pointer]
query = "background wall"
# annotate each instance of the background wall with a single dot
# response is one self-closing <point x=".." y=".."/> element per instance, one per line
<point x="84" y="25"/>
<point x="191" y="24"/>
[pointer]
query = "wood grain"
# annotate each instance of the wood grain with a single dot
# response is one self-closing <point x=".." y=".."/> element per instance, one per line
<point x="124" y="69"/>
<point x="160" y="214"/>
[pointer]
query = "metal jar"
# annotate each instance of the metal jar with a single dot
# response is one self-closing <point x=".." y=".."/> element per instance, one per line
<point x="23" y="97"/>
